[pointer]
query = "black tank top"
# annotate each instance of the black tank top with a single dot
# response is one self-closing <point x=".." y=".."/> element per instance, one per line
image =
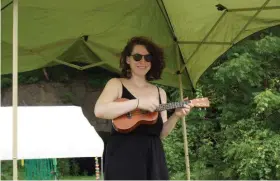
<point x="142" y="129"/>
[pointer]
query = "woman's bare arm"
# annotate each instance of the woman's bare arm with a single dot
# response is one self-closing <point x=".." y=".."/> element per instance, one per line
<point x="106" y="108"/>
<point x="168" y="123"/>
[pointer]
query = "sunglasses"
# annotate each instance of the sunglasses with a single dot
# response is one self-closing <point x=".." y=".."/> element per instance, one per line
<point x="137" y="57"/>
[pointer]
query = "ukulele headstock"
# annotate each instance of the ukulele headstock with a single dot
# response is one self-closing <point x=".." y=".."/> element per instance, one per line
<point x="201" y="102"/>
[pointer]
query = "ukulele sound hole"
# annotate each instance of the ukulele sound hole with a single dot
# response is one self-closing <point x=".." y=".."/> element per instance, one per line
<point x="144" y="112"/>
<point x="129" y="115"/>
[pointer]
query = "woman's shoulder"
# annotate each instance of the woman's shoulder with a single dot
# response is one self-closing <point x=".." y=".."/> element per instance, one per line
<point x="114" y="81"/>
<point x="112" y="86"/>
<point x="161" y="91"/>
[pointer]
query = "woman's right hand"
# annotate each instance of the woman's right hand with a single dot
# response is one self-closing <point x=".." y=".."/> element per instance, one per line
<point x="148" y="104"/>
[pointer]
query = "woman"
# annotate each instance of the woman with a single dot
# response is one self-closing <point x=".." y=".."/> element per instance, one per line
<point x="137" y="155"/>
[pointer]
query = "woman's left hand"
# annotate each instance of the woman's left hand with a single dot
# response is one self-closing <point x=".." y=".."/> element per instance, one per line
<point x="181" y="112"/>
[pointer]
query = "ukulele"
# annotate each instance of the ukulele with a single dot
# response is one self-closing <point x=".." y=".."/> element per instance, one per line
<point x="129" y="121"/>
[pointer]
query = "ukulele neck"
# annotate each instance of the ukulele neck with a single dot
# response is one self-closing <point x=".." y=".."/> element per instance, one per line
<point x="172" y="105"/>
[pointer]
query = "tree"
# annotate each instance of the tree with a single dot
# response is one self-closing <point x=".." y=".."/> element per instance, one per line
<point x="238" y="138"/>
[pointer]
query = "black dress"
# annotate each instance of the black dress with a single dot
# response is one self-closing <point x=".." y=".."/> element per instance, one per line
<point x="137" y="155"/>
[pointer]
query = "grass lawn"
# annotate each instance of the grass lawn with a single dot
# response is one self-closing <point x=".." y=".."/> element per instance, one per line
<point x="21" y="177"/>
<point x="78" y="178"/>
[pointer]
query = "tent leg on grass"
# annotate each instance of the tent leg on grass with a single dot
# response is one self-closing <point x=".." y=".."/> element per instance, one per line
<point x="184" y="129"/>
<point x="15" y="86"/>
<point x="102" y="171"/>
<point x="187" y="163"/>
<point x="55" y="168"/>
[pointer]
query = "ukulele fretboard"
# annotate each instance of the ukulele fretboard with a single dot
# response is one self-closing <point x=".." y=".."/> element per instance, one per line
<point x="172" y="105"/>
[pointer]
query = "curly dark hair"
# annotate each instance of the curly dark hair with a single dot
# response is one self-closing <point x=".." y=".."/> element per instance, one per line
<point x="157" y="64"/>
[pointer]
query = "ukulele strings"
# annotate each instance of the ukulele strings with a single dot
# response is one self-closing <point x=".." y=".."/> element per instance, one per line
<point x="137" y="113"/>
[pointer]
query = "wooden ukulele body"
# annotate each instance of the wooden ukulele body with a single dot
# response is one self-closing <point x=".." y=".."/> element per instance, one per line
<point x="128" y="122"/>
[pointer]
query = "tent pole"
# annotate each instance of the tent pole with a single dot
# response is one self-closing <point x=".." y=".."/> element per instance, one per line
<point x="183" y="119"/>
<point x="102" y="176"/>
<point x="250" y="20"/>
<point x="15" y="86"/>
<point x="184" y="129"/>
<point x="253" y="9"/>
<point x="205" y="38"/>
<point x="0" y="81"/>
<point x="0" y="66"/>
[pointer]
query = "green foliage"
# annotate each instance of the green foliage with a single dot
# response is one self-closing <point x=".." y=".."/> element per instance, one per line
<point x="238" y="137"/>
<point x="266" y="102"/>
<point x="99" y="77"/>
<point x="7" y="170"/>
<point x="95" y="77"/>
<point x="67" y="97"/>
<point x="174" y="143"/>
<point x="252" y="150"/>
<point x="64" y="167"/>
<point x="75" y="168"/>
<point x="98" y="80"/>
<point x="230" y="71"/>
<point x="6" y="82"/>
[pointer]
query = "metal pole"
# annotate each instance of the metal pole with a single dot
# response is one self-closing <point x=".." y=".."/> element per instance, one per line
<point x="15" y="86"/>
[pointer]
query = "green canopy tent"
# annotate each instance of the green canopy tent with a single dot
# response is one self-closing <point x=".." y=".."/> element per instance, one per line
<point x="193" y="33"/>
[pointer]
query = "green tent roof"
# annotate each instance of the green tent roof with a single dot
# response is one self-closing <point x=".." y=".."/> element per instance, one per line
<point x="94" y="32"/>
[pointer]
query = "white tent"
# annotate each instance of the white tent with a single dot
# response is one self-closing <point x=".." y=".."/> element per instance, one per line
<point x="48" y="132"/>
